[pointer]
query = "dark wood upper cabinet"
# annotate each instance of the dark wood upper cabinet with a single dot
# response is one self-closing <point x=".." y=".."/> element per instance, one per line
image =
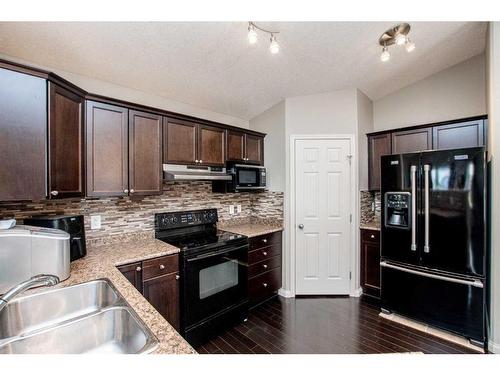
<point x="23" y="128"/>
<point x="211" y="145"/>
<point x="179" y="141"/>
<point x="107" y="150"/>
<point x="163" y="293"/>
<point x="145" y="157"/>
<point x="133" y="273"/>
<point x="235" y="146"/>
<point x="412" y="140"/>
<point x="378" y="145"/>
<point x="65" y="143"/>
<point x="254" y="149"/>
<point x="460" y="135"/>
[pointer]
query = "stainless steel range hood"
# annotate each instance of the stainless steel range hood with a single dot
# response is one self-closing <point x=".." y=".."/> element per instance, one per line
<point x="174" y="172"/>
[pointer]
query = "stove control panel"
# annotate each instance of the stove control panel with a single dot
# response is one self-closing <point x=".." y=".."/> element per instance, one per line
<point x="181" y="219"/>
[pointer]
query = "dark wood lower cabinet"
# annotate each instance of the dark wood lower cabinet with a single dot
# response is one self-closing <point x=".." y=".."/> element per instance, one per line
<point x="163" y="293"/>
<point x="370" y="262"/>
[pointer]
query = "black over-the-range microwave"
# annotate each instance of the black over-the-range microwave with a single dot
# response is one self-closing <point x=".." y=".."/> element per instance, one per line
<point x="243" y="177"/>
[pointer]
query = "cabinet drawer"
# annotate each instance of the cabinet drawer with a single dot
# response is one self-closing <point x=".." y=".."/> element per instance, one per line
<point x="264" y="266"/>
<point x="264" y="240"/>
<point x="264" y="253"/>
<point x="370" y="235"/>
<point x="160" y="266"/>
<point x="264" y="285"/>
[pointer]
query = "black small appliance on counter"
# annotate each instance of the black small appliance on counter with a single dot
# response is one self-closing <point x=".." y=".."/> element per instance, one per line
<point x="72" y="224"/>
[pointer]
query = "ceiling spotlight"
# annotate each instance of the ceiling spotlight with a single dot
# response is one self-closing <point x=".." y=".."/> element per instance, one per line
<point x="397" y="35"/>
<point x="252" y="34"/>
<point x="385" y="55"/>
<point x="274" y="47"/>
<point x="410" y="46"/>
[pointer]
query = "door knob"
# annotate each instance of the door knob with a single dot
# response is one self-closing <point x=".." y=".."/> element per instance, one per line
<point x="301" y="226"/>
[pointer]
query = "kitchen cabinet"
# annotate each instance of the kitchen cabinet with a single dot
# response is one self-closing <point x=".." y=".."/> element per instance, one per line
<point x="107" y="150"/>
<point x="245" y="148"/>
<point x="158" y="281"/>
<point x="264" y="267"/>
<point x="23" y="127"/>
<point x="459" y="135"/>
<point x="412" y="140"/>
<point x="145" y="159"/>
<point x="65" y="143"/>
<point x="370" y="262"/>
<point x="133" y="273"/>
<point x="378" y="145"/>
<point x="186" y="142"/>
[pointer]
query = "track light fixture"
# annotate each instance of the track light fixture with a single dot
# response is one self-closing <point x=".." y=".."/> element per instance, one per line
<point x="252" y="36"/>
<point x="397" y="35"/>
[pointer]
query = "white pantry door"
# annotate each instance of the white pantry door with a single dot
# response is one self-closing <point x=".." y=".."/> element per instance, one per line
<point x="323" y="189"/>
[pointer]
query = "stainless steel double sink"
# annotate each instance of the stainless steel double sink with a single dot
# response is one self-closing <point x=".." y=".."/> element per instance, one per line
<point x="91" y="317"/>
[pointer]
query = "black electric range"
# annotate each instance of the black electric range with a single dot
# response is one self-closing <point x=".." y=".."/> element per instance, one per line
<point x="213" y="272"/>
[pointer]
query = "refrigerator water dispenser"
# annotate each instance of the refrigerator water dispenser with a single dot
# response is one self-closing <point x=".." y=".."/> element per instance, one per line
<point x="398" y="210"/>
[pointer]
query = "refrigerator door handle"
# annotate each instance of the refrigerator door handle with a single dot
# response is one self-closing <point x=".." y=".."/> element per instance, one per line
<point x="427" y="168"/>
<point x="413" y="208"/>
<point x="474" y="283"/>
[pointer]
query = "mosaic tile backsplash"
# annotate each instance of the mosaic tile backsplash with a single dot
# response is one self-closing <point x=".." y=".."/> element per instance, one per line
<point x="129" y="215"/>
<point x="369" y="201"/>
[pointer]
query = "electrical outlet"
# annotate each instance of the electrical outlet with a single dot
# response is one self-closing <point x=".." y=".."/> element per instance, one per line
<point x="95" y="222"/>
<point x="231" y="209"/>
<point x="238" y="208"/>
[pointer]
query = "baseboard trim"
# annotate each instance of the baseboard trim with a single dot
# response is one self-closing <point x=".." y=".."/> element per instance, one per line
<point x="493" y="347"/>
<point x="357" y="293"/>
<point x="285" y="293"/>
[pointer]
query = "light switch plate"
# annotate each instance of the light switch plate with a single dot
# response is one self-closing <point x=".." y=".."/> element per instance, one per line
<point x="238" y="208"/>
<point x="95" y="222"/>
<point x="231" y="209"/>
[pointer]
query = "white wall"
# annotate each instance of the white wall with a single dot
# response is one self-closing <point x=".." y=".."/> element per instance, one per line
<point x="95" y="86"/>
<point x="272" y="122"/>
<point x="365" y="125"/>
<point x="456" y="92"/>
<point x="493" y="104"/>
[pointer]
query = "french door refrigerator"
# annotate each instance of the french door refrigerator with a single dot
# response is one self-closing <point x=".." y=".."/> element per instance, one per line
<point x="433" y="238"/>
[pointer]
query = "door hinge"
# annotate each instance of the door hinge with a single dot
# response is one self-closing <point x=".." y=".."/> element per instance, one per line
<point x="349" y="157"/>
<point x="350" y="218"/>
<point x="350" y="275"/>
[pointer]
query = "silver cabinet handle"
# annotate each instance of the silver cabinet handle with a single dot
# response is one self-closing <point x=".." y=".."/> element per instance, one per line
<point x="125" y="191"/>
<point x="138" y="269"/>
<point x="301" y="226"/>
<point x="264" y="265"/>
<point x="132" y="191"/>
<point x="177" y="277"/>
<point x="427" y="168"/>
<point x="413" y="208"/>
<point x="196" y="161"/>
<point x="265" y="285"/>
<point x="162" y="267"/>
<point x="264" y="253"/>
<point x="54" y="192"/>
<point x="201" y="161"/>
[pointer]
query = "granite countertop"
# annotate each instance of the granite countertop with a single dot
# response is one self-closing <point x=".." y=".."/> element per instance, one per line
<point x="372" y="225"/>
<point x="101" y="261"/>
<point x="252" y="228"/>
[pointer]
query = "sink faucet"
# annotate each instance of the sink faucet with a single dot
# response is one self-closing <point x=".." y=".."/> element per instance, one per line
<point x="38" y="280"/>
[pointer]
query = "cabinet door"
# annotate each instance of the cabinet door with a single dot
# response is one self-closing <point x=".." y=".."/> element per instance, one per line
<point x="163" y="293"/>
<point x="23" y="127"/>
<point x="378" y="145"/>
<point x="107" y="150"/>
<point x="254" y="149"/>
<point x="133" y="273"/>
<point x="179" y="141"/>
<point x="145" y="159"/>
<point x="65" y="143"/>
<point x="211" y="145"/>
<point x="235" y="146"/>
<point x="463" y="134"/>
<point x="411" y="140"/>
<point x="370" y="268"/>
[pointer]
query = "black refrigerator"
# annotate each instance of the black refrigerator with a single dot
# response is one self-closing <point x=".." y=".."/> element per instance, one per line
<point x="433" y="238"/>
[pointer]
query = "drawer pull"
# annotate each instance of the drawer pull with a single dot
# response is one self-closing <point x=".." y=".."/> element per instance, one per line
<point x="264" y="240"/>
<point x="264" y="253"/>
<point x="372" y="236"/>
<point x="265" y="285"/>
<point x="162" y="267"/>
<point x="138" y="269"/>
<point x="264" y="265"/>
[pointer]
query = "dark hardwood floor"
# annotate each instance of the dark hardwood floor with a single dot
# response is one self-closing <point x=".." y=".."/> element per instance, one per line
<point x="323" y="325"/>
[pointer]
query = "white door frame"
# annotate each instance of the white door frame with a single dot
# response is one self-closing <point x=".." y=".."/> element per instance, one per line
<point x="353" y="254"/>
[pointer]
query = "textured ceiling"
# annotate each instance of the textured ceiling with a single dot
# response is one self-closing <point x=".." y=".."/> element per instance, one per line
<point x="211" y="65"/>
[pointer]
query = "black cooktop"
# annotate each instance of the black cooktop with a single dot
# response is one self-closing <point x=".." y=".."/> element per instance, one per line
<point x="208" y="238"/>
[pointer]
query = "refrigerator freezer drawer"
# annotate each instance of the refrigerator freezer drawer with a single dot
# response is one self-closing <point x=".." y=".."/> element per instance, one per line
<point x="455" y="305"/>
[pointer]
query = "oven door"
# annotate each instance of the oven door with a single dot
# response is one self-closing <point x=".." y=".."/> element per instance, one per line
<point x="214" y="282"/>
<point x="248" y="177"/>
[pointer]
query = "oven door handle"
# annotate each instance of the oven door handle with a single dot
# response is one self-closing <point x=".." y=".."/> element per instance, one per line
<point x="215" y="253"/>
